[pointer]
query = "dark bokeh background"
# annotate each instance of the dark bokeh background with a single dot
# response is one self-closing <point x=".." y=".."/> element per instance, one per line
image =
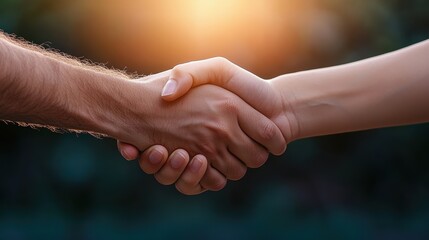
<point x="365" y="185"/>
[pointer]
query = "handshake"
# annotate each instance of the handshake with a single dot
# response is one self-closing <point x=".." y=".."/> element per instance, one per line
<point x="224" y="131"/>
<point x="235" y="123"/>
<point x="203" y="123"/>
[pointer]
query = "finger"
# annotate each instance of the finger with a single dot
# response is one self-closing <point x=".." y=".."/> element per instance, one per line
<point x="128" y="151"/>
<point x="192" y="74"/>
<point x="260" y="128"/>
<point x="230" y="166"/>
<point x="213" y="180"/>
<point x="251" y="153"/>
<point x="184" y="76"/>
<point x="171" y="171"/>
<point x="153" y="158"/>
<point x="189" y="181"/>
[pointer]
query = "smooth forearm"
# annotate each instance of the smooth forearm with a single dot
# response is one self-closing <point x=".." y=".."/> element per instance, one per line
<point x="388" y="90"/>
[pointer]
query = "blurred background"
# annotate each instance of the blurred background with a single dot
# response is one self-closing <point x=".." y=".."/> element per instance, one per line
<point x="364" y="185"/>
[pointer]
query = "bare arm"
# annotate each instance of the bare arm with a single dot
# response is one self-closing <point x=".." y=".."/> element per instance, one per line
<point x="46" y="89"/>
<point x="388" y="90"/>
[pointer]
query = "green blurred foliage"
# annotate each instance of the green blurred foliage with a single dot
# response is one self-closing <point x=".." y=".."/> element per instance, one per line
<point x="365" y="185"/>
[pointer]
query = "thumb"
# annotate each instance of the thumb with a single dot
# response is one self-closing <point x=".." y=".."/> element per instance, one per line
<point x="223" y="73"/>
<point x="185" y="76"/>
<point x="178" y="84"/>
<point x="128" y="151"/>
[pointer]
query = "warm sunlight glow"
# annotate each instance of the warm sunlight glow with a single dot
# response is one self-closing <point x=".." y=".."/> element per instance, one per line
<point x="158" y="34"/>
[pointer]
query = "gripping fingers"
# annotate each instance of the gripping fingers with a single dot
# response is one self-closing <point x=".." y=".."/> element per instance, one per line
<point x="249" y="152"/>
<point x="128" y="151"/>
<point x="153" y="158"/>
<point x="261" y="129"/>
<point x="171" y="171"/>
<point x="230" y="166"/>
<point x="213" y="180"/>
<point x="189" y="181"/>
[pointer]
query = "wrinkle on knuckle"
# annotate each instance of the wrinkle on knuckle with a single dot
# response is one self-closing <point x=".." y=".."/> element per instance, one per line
<point x="222" y="132"/>
<point x="219" y="129"/>
<point x="259" y="159"/>
<point x="207" y="148"/>
<point x="222" y="62"/>
<point x="177" y="69"/>
<point x="228" y="106"/>
<point x="268" y="131"/>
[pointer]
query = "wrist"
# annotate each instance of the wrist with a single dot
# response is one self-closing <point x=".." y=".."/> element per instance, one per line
<point x="95" y="101"/>
<point x="286" y="118"/>
<point x="317" y="103"/>
<point x="120" y="107"/>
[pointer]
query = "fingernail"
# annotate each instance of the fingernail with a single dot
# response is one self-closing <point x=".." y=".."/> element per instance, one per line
<point x="169" y="88"/>
<point x="155" y="157"/>
<point x="196" y="165"/>
<point x="125" y="154"/>
<point x="177" y="161"/>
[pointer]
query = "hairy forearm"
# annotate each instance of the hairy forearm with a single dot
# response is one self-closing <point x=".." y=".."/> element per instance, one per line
<point x="388" y="90"/>
<point x="47" y="89"/>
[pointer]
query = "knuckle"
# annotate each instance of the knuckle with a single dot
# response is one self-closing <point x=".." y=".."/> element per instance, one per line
<point x="222" y="132"/>
<point x="229" y="106"/>
<point x="163" y="180"/>
<point x="259" y="159"/>
<point x="224" y="69"/>
<point x="177" y="69"/>
<point x="179" y="72"/>
<point x="221" y="61"/>
<point x="268" y="131"/>
<point x="237" y="173"/>
<point x="208" y="149"/>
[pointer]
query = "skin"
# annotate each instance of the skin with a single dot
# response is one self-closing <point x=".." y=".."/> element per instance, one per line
<point x="220" y="132"/>
<point x="388" y="90"/>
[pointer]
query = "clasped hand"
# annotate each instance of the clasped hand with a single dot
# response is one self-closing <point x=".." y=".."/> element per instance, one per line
<point x="211" y="135"/>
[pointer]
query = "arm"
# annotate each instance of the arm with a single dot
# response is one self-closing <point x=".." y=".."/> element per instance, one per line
<point x="388" y="90"/>
<point x="46" y="89"/>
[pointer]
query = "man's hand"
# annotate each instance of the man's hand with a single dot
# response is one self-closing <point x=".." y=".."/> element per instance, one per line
<point x="176" y="168"/>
